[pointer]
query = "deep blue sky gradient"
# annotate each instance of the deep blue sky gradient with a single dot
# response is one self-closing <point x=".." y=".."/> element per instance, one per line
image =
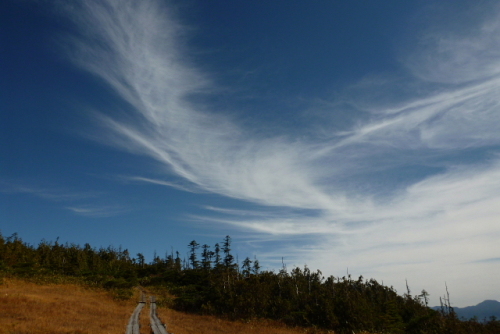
<point x="360" y="134"/>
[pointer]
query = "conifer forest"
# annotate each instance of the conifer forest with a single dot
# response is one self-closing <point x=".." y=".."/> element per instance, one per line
<point x="210" y="281"/>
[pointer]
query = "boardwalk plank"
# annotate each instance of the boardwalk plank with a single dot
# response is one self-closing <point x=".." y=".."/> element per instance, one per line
<point x="156" y="325"/>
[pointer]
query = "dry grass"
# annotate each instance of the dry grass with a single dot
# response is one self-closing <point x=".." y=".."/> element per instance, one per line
<point x="182" y="323"/>
<point x="72" y="309"/>
<point x="27" y="307"/>
<point x="60" y="309"/>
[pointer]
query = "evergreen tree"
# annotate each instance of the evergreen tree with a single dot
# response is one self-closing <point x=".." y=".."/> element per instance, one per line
<point x="217" y="256"/>
<point x="228" y="257"/>
<point x="206" y="257"/>
<point x="299" y="297"/>
<point x="141" y="259"/>
<point x="256" y="267"/>
<point x="246" y="267"/>
<point x="193" y="259"/>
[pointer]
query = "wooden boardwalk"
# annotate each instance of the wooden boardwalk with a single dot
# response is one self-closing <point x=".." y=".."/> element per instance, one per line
<point x="157" y="327"/>
<point x="133" y="323"/>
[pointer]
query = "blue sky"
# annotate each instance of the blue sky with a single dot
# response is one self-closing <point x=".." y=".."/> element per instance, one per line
<point x="360" y="135"/>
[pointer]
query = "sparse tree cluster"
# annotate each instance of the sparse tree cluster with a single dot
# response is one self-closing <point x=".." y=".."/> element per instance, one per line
<point x="213" y="282"/>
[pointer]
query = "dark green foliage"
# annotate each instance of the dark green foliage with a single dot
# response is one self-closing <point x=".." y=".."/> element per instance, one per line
<point x="206" y="257"/>
<point x="217" y="286"/>
<point x="193" y="258"/>
<point x="228" y="257"/>
<point x="109" y="268"/>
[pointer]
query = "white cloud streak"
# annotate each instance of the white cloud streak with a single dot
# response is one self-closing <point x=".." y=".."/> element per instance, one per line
<point x="78" y="200"/>
<point x="162" y="183"/>
<point x="44" y="192"/>
<point x="135" y="47"/>
<point x="97" y="211"/>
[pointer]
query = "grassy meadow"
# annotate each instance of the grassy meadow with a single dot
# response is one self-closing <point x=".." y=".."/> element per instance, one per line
<point x="27" y="307"/>
<point x="69" y="308"/>
<point x="68" y="288"/>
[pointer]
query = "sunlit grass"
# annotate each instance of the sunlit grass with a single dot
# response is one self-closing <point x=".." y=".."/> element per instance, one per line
<point x="27" y="307"/>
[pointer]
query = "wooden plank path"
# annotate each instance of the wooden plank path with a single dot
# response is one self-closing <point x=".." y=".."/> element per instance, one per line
<point x="156" y="325"/>
<point x="133" y="323"/>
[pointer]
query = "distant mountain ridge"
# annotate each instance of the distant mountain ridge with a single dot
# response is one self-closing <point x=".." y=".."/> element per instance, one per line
<point x="483" y="310"/>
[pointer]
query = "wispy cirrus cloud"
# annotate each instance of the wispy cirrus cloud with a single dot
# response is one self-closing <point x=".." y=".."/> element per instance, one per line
<point x="450" y="131"/>
<point x="458" y="50"/>
<point x="53" y="194"/>
<point x="78" y="201"/>
<point x="97" y="211"/>
<point x="183" y="187"/>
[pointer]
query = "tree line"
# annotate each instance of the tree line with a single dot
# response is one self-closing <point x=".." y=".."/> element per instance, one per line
<point x="211" y="281"/>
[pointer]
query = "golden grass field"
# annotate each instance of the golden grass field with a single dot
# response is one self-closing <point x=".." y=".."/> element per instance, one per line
<point x="29" y="308"/>
<point x="60" y="308"/>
